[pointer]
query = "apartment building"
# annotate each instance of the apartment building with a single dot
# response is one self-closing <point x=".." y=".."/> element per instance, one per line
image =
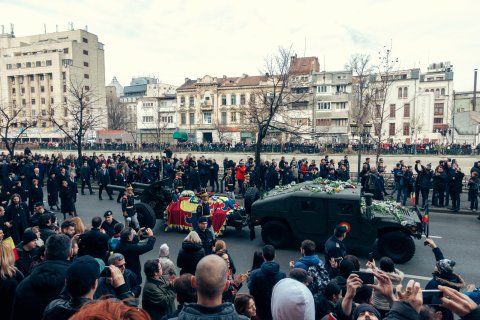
<point x="156" y="118"/>
<point x="36" y="72"/>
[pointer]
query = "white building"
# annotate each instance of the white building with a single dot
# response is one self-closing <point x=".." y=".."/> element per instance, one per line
<point x="35" y="72"/>
<point x="156" y="119"/>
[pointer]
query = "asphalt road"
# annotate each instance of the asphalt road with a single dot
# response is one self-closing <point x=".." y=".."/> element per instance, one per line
<point x="457" y="235"/>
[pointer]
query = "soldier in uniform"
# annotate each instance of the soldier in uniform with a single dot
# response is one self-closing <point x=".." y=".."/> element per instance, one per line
<point x="178" y="183"/>
<point x="203" y="209"/>
<point x="230" y="184"/>
<point x="128" y="208"/>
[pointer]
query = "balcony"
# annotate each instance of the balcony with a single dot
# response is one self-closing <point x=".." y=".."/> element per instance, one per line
<point x="206" y="106"/>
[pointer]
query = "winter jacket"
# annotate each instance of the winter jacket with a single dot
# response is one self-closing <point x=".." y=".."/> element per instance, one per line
<point x="225" y="311"/>
<point x="37" y="290"/>
<point x="402" y="310"/>
<point x="25" y="259"/>
<point x="132" y="290"/>
<point x="158" y="297"/>
<point x="189" y="256"/>
<point x="63" y="309"/>
<point x="261" y="286"/>
<point x="7" y="292"/>
<point x="379" y="300"/>
<point x="440" y="181"/>
<point x="93" y="243"/>
<point x="132" y="250"/>
<point x="307" y="261"/>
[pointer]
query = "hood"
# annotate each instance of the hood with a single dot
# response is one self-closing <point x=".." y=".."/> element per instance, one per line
<point x="452" y="280"/>
<point x="310" y="260"/>
<point x="389" y="211"/>
<point x="270" y="267"/>
<point x="217" y="312"/>
<point x="191" y="247"/>
<point x="396" y="276"/>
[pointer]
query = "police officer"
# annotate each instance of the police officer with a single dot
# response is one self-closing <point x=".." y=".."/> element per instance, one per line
<point x="334" y="246"/>
<point x="128" y="208"/>
<point x="109" y="223"/>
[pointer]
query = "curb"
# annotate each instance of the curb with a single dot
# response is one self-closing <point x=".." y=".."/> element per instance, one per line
<point x="461" y="212"/>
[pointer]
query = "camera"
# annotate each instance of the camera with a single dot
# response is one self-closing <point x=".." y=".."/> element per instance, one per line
<point x="106" y="272"/>
<point x="417" y="161"/>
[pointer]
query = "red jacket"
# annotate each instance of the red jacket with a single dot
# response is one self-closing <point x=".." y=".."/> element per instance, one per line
<point x="240" y="172"/>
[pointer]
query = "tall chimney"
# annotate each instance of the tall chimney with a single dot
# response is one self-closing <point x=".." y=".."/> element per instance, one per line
<point x="474" y="107"/>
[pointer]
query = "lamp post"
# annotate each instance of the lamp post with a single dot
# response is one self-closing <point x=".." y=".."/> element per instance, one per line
<point x="363" y="133"/>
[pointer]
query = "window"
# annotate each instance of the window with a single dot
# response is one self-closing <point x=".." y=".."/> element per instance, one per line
<point x="38" y="64"/>
<point x="14" y="91"/>
<point x="323" y="106"/>
<point x="391" y="129"/>
<point x="405" y="92"/>
<point x="207" y="118"/>
<point x="44" y="112"/>
<point x="323" y="122"/>
<point x="233" y="117"/>
<point x="31" y="77"/>
<point x="85" y="64"/>
<point x="44" y="124"/>
<point x="243" y="99"/>
<point x="378" y="111"/>
<point x="406" y="129"/>
<point x="323" y="89"/>
<point x="392" y="110"/>
<point x="191" y="101"/>
<point x="9" y="66"/>
<point x="64" y="88"/>
<point x="49" y="63"/>
<point x="28" y="64"/>
<point x="340" y="122"/>
<point x="437" y="93"/>
<point x="85" y="40"/>
<point x="182" y="100"/>
<point x="64" y="76"/>
<point x="85" y="52"/>
<point x="86" y="76"/>
<point x="24" y="102"/>
<point x="400" y="95"/>
<point x="41" y="77"/>
<point x="34" y="113"/>
<point x="223" y="119"/>
<point x="224" y="100"/>
<point x="19" y="65"/>
<point x="438" y="120"/>
<point x="52" y="101"/>
<point x="32" y="89"/>
<point x="183" y="118"/>
<point x="406" y="110"/>
<point x="341" y="89"/>
<point x="341" y="105"/>
<point x="65" y="112"/>
<point x="308" y="205"/>
<point x="43" y="100"/>
<point x="65" y="50"/>
<point x="438" y="109"/>
<point x="33" y="101"/>
<point x="233" y="100"/>
<point x="51" y="88"/>
<point x="252" y="97"/>
<point x="147" y="119"/>
<point x="42" y="88"/>
<point x="442" y="91"/>
<point x="191" y="118"/>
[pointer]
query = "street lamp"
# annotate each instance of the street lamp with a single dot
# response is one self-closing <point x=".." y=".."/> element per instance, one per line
<point x="363" y="133"/>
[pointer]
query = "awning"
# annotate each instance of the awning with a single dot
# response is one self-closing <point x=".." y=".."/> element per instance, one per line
<point x="180" y="135"/>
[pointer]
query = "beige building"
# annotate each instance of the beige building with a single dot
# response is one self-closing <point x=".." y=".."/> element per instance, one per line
<point x="35" y="72"/>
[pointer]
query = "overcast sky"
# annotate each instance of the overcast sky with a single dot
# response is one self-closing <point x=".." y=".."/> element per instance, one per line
<point x="175" y="39"/>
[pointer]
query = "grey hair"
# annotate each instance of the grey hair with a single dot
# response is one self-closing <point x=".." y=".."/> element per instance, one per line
<point x="114" y="258"/>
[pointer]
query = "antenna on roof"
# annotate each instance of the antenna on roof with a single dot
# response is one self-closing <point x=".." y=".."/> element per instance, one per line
<point x="305" y="47"/>
<point x="56" y="28"/>
<point x="11" y="29"/>
<point x="86" y="28"/>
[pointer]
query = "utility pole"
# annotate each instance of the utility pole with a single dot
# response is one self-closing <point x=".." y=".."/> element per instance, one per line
<point x="453" y="118"/>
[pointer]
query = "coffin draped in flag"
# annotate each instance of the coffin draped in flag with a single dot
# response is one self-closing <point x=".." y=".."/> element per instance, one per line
<point x="181" y="213"/>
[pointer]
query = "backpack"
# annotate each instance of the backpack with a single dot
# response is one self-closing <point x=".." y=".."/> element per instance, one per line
<point x="320" y="278"/>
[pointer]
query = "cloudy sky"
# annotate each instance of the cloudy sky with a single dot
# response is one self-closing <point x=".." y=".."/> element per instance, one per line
<point x="190" y="38"/>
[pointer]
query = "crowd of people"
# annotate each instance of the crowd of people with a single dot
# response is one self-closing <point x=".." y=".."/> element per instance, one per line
<point x="53" y="268"/>
<point x="272" y="146"/>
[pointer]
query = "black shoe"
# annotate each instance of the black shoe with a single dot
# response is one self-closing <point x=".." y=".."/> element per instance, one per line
<point x="83" y="193"/>
<point x="111" y="198"/>
<point x="100" y="198"/>
<point x="58" y="208"/>
<point x="118" y="201"/>
<point x="91" y="192"/>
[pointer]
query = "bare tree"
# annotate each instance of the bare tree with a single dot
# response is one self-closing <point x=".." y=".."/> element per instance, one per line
<point x="117" y="114"/>
<point x="270" y="106"/>
<point x="78" y="115"/>
<point x="13" y="124"/>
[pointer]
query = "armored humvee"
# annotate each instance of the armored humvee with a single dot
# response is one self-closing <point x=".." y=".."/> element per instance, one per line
<point x="311" y="210"/>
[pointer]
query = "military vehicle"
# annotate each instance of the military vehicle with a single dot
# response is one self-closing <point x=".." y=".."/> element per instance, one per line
<point x="154" y="199"/>
<point x="311" y="210"/>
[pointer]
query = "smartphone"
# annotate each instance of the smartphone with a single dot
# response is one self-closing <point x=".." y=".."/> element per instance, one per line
<point x="367" y="277"/>
<point x="370" y="257"/>
<point x="432" y="297"/>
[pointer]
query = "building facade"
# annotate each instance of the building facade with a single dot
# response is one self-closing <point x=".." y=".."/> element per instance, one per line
<point x="156" y="119"/>
<point x="36" y="72"/>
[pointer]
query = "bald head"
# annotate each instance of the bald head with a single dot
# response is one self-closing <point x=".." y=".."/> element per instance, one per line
<point x="211" y="276"/>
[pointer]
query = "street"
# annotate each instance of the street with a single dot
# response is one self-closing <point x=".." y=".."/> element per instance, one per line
<point x="457" y="236"/>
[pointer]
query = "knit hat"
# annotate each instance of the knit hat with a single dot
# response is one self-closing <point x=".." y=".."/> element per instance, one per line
<point x="445" y="266"/>
<point x="202" y="219"/>
<point x="84" y="269"/>
<point x="164" y="250"/>
<point x="29" y="236"/>
<point x="363" y="308"/>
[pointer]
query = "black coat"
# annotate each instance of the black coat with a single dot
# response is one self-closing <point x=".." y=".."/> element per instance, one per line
<point x="132" y="250"/>
<point x="93" y="243"/>
<point x="52" y="191"/>
<point x="68" y="203"/>
<point x="35" y="195"/>
<point x="109" y="227"/>
<point x="261" y="285"/>
<point x="189" y="256"/>
<point x="19" y="217"/>
<point x="7" y="292"/>
<point x="103" y="178"/>
<point x="37" y="290"/>
<point x="207" y="240"/>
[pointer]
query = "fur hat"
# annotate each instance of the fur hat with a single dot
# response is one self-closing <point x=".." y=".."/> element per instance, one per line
<point x="445" y="266"/>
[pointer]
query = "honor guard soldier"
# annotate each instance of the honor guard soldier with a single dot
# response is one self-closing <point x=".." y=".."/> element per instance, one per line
<point x="230" y="184"/>
<point x="128" y="208"/>
<point x="203" y="209"/>
<point x="178" y="182"/>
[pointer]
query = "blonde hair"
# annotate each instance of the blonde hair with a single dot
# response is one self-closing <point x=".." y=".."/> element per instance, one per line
<point x="193" y="237"/>
<point x="220" y="245"/>
<point x="7" y="261"/>
<point x="79" y="226"/>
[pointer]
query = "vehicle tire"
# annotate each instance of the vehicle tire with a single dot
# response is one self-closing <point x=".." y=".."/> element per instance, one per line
<point x="277" y="234"/>
<point x="146" y="215"/>
<point x="251" y="195"/>
<point x="397" y="245"/>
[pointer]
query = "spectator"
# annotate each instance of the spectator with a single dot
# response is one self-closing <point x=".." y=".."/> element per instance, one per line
<point x="131" y="249"/>
<point x="245" y="305"/>
<point x="292" y="300"/>
<point x="334" y="246"/>
<point x="94" y="242"/>
<point x="10" y="277"/>
<point x="105" y="283"/>
<point x="45" y="226"/>
<point x="326" y="303"/>
<point x="115" y="239"/>
<point x="68" y="228"/>
<point x="210" y="280"/>
<point x="81" y="283"/>
<point x="109" y="223"/>
<point x="27" y="251"/>
<point x="79" y="226"/>
<point x="190" y="253"/>
<point x="45" y="282"/>
<point x="234" y="283"/>
<point x="185" y="294"/>
<point x="221" y="245"/>
<point x="263" y="280"/>
<point x="158" y="297"/>
<point x="473" y="184"/>
<point x="205" y="235"/>
<point x="17" y="217"/>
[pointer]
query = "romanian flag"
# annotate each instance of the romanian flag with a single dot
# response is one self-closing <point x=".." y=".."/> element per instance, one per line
<point x="425" y="217"/>
<point x="412" y="195"/>
<point x="9" y="241"/>
<point x="181" y="213"/>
